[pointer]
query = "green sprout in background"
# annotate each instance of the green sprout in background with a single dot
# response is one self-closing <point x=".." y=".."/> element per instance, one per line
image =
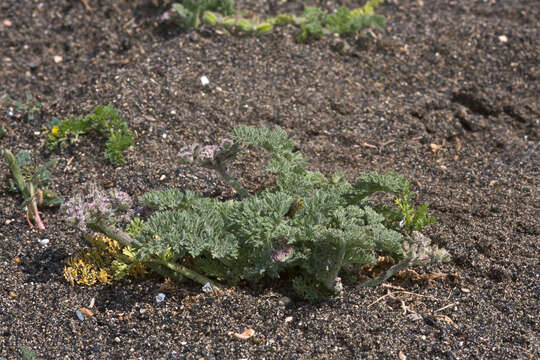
<point x="313" y="23"/>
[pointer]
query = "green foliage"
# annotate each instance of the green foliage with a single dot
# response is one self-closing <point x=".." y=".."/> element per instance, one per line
<point x="306" y="227"/>
<point x="313" y="23"/>
<point x="413" y="219"/>
<point x="31" y="106"/>
<point x="313" y="27"/>
<point x="27" y="354"/>
<point x="104" y="119"/>
<point x="32" y="182"/>
<point x="344" y="22"/>
<point x="191" y="11"/>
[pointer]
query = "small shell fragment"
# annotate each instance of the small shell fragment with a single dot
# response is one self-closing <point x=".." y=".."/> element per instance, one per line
<point x="246" y="334"/>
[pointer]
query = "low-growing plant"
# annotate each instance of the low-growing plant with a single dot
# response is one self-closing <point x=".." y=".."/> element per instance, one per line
<point x="189" y="12"/>
<point x="313" y="23"/>
<point x="306" y="228"/>
<point x="32" y="183"/>
<point x="106" y="260"/>
<point x="104" y="119"/>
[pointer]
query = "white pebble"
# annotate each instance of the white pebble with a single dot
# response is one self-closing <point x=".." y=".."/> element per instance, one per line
<point x="43" y="242"/>
<point x="204" y="80"/>
<point x="207" y="288"/>
<point x="160" y="297"/>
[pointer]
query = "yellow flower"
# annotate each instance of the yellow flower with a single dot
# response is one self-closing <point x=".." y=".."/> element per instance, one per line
<point x="55" y="130"/>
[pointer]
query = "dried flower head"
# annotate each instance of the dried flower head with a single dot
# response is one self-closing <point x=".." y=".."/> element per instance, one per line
<point x="282" y="254"/>
<point x="92" y="204"/>
<point x="209" y="155"/>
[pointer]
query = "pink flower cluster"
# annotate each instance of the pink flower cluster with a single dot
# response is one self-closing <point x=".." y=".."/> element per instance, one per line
<point x="92" y="205"/>
<point x="282" y="252"/>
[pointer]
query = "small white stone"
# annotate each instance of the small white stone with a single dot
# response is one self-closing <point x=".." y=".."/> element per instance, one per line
<point x="162" y="177"/>
<point x="207" y="288"/>
<point x="164" y="136"/>
<point x="57" y="59"/>
<point x="288" y="319"/>
<point x="43" y="242"/>
<point x="503" y="38"/>
<point x="204" y="80"/>
<point x="160" y="297"/>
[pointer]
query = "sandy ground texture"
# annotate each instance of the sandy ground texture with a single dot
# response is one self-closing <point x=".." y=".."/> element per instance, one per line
<point x="447" y="95"/>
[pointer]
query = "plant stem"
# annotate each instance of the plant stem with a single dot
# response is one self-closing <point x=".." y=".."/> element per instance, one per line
<point x="27" y="190"/>
<point x="402" y="265"/>
<point x="35" y="215"/>
<point x="113" y="233"/>
<point x="126" y="240"/>
<point x="188" y="273"/>
<point x="231" y="181"/>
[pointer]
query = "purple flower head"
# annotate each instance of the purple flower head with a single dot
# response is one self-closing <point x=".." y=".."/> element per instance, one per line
<point x="167" y="15"/>
<point x="282" y="253"/>
<point x="209" y="152"/>
<point x="92" y="204"/>
<point x="186" y="156"/>
<point x="189" y="153"/>
<point x="226" y="143"/>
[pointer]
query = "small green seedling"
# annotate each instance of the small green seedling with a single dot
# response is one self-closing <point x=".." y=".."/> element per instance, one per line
<point x="104" y="119"/>
<point x="31" y="106"/>
<point x="32" y="184"/>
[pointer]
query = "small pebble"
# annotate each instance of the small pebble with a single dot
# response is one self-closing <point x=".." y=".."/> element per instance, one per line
<point x="207" y="288"/>
<point x="204" y="80"/>
<point x="503" y="38"/>
<point x="43" y="242"/>
<point x="57" y="59"/>
<point x="160" y="297"/>
<point x="7" y="23"/>
<point x="288" y="319"/>
<point x="79" y="315"/>
<point x="284" y="301"/>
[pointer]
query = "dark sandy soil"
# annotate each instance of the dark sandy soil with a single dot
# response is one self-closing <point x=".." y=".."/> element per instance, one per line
<point x="447" y="95"/>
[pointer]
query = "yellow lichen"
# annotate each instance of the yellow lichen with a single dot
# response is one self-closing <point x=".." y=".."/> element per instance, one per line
<point x="101" y="263"/>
